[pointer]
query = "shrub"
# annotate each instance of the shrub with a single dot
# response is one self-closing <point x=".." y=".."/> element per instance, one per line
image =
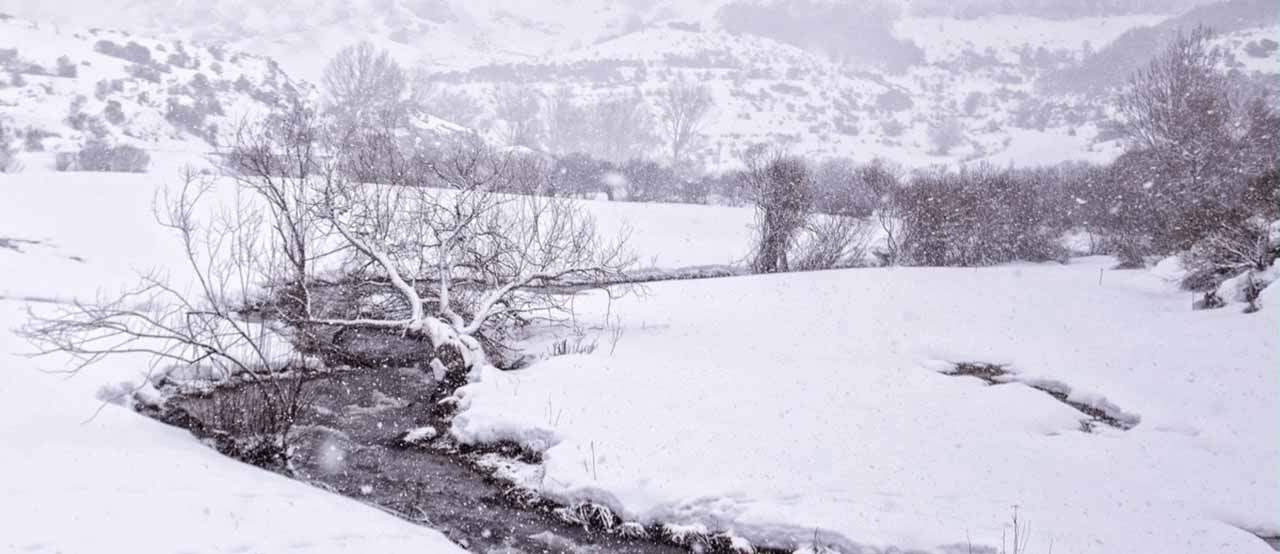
<point x="97" y="155"/>
<point x="830" y="242"/>
<point x="1238" y="246"/>
<point x="33" y="139"/>
<point x="894" y="100"/>
<point x="892" y="128"/>
<point x="66" y="68"/>
<point x="1261" y="49"/>
<point x="976" y="217"/>
<point x="113" y="113"/>
<point x="8" y="154"/>
<point x="132" y="51"/>
<point x="144" y="72"/>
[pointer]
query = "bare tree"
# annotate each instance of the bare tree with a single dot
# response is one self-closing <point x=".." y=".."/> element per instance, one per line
<point x="1181" y="101"/>
<point x="623" y="128"/>
<point x="438" y="99"/>
<point x="363" y="82"/>
<point x="193" y="332"/>
<point x="568" y="125"/>
<point x="781" y="190"/>
<point x="684" y="107"/>
<point x="519" y="108"/>
<point x="1182" y="115"/>
<point x="305" y="256"/>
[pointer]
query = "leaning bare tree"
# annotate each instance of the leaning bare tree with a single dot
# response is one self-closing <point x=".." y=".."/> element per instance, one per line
<point x="290" y="260"/>
<point x="465" y="261"/>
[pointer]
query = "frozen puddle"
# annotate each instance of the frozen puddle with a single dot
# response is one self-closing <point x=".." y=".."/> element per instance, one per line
<point x="1098" y="411"/>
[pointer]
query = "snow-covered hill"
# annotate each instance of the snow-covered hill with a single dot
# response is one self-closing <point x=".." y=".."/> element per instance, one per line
<point x="921" y="83"/>
<point x="60" y="85"/>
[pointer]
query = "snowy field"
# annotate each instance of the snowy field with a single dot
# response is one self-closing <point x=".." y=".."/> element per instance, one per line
<point x="782" y="408"/>
<point x="78" y="475"/>
<point x="786" y="405"/>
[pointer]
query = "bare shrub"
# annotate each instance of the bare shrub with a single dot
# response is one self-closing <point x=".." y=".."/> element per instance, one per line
<point x="830" y="242"/>
<point x="579" y="345"/>
<point x="255" y="422"/>
<point x="98" y="155"/>
<point x="978" y="216"/>
<point x="196" y="332"/>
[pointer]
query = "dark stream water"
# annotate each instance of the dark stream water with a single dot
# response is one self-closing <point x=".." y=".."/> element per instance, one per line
<point x="348" y="441"/>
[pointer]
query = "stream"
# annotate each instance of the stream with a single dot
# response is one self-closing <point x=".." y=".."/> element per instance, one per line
<point x="348" y="441"/>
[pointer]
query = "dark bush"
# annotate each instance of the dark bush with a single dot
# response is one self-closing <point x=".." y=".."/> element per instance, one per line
<point x="98" y="155"/>
<point x="976" y="217"/>
<point x="132" y="51"/>
<point x="113" y="113"/>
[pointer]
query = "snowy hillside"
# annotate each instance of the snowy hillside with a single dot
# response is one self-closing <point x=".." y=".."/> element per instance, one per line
<point x="60" y="85"/>
<point x="917" y="84"/>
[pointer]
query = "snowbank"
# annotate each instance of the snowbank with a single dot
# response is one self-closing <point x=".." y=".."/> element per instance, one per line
<point x="786" y="405"/>
<point x="81" y="476"/>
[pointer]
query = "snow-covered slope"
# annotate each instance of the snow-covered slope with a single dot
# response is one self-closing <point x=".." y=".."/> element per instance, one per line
<point x="60" y="85"/>
<point x="80" y="476"/>
<point x="803" y="407"/>
<point x="996" y="87"/>
<point x="785" y="408"/>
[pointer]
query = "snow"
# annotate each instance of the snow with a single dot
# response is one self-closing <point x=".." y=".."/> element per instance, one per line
<point x="777" y="406"/>
<point x="81" y="476"/>
<point x="420" y="434"/>
<point x="782" y="409"/>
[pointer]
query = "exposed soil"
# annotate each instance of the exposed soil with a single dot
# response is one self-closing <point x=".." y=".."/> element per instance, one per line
<point x="995" y="374"/>
<point x="349" y="440"/>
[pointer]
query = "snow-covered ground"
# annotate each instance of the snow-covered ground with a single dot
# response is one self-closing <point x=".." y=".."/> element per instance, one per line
<point x="77" y="475"/>
<point x="786" y="406"/>
<point x="782" y="407"/>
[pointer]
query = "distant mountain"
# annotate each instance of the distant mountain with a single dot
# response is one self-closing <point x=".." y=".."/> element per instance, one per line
<point x="1111" y="65"/>
<point x="61" y="85"/>
<point x="921" y="82"/>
